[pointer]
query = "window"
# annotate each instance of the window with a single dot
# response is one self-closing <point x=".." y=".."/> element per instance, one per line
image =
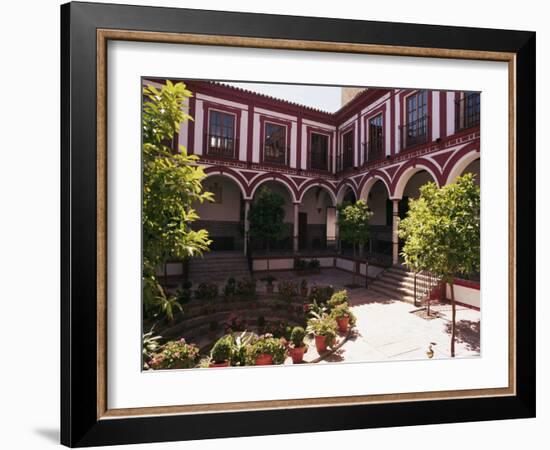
<point x="375" y="148"/>
<point x="467" y="111"/>
<point x="221" y="134"/>
<point x="319" y="151"/>
<point x="275" y="143"/>
<point x="415" y="130"/>
<point x="347" y="150"/>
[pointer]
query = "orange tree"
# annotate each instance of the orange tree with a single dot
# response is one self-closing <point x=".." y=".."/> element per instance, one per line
<point x="441" y="233"/>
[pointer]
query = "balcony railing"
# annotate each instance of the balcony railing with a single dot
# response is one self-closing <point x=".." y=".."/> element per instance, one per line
<point x="467" y="112"/>
<point x="220" y="146"/>
<point x="281" y="159"/>
<point x="414" y="133"/>
<point x="318" y="162"/>
<point x="374" y="150"/>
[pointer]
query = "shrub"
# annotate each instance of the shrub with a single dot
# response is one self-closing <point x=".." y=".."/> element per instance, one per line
<point x="288" y="291"/>
<point x="175" y="355"/>
<point x="267" y="345"/>
<point x="230" y="287"/>
<point x="323" y="325"/>
<point x="341" y="311"/>
<point x="222" y="349"/>
<point x="246" y="288"/>
<point x="297" y="337"/>
<point x="338" y="298"/>
<point x="207" y="291"/>
<point x="183" y="295"/>
<point x="320" y="294"/>
<point x="300" y="264"/>
<point x="314" y="264"/>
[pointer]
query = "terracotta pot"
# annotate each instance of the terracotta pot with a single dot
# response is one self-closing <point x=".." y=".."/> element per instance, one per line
<point x="264" y="360"/>
<point x="321" y="343"/>
<point x="297" y="354"/>
<point x="221" y="364"/>
<point x="343" y="324"/>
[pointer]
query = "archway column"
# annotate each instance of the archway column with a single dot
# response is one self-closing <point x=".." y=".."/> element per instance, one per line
<point x="295" y="234"/>
<point x="394" y="233"/>
<point x="246" y="224"/>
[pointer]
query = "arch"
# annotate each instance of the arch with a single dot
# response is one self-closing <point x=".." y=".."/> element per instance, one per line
<point x="459" y="161"/>
<point x="274" y="177"/>
<point x="229" y="173"/>
<point x="341" y="190"/>
<point x="318" y="182"/>
<point x="369" y="180"/>
<point x="408" y="170"/>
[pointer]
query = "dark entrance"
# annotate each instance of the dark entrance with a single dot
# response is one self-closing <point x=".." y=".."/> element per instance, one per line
<point x="302" y="230"/>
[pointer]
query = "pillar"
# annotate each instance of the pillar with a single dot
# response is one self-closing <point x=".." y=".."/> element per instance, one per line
<point x="246" y="225"/>
<point x="394" y="234"/>
<point x="295" y="234"/>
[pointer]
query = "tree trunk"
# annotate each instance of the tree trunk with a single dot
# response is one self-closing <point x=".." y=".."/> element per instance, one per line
<point x="453" y="326"/>
<point x="267" y="255"/>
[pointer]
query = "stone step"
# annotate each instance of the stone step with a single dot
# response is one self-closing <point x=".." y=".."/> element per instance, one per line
<point x="399" y="274"/>
<point x="404" y="282"/>
<point x="391" y="293"/>
<point x="397" y="287"/>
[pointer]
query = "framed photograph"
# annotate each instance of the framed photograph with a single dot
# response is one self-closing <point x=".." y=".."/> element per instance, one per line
<point x="278" y="224"/>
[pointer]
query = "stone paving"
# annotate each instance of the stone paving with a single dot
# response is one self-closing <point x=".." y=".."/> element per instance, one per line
<point x="387" y="329"/>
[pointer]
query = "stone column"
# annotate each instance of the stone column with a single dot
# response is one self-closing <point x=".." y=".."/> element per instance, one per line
<point x="394" y="234"/>
<point x="296" y="231"/>
<point x="246" y="224"/>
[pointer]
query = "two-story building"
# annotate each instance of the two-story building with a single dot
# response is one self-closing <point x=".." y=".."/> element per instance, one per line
<point x="380" y="146"/>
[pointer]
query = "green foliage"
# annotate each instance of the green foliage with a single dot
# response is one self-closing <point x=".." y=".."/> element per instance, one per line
<point x="246" y="288"/>
<point x="320" y="294"/>
<point x="441" y="229"/>
<point x="266" y="215"/>
<point x="322" y="325"/>
<point x="166" y="306"/>
<point x="297" y="337"/>
<point x="267" y="345"/>
<point x="338" y="298"/>
<point x="183" y="295"/>
<point x="353" y="222"/>
<point x="222" y="349"/>
<point x="314" y="264"/>
<point x="175" y="355"/>
<point x="341" y="311"/>
<point x="288" y="290"/>
<point x="240" y="345"/>
<point x="171" y="186"/>
<point x="207" y="291"/>
<point x="150" y="345"/>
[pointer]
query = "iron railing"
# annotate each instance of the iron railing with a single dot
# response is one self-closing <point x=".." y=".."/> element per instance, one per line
<point x="282" y="159"/>
<point x="220" y="146"/>
<point x="414" y="133"/>
<point x="374" y="150"/>
<point x="424" y="283"/>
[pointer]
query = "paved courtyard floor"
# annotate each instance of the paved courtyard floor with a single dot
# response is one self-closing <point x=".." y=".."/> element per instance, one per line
<point x="388" y="329"/>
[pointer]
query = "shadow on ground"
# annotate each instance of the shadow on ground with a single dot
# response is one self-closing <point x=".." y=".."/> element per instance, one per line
<point x="467" y="332"/>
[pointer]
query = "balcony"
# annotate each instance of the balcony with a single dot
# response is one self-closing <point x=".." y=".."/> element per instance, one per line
<point x="414" y="133"/>
<point x="220" y="146"/>
<point x="467" y="112"/>
<point x="374" y="150"/>
<point x="280" y="157"/>
<point x="344" y="160"/>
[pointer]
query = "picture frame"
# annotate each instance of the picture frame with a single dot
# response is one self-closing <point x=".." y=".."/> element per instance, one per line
<point x="86" y="28"/>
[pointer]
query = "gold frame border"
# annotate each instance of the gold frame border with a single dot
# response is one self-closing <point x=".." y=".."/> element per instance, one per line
<point x="103" y="36"/>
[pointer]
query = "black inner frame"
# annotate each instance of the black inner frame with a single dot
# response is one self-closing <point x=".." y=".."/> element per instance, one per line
<point x="79" y="425"/>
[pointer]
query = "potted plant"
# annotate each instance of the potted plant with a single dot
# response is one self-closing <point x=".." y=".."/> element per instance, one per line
<point x="269" y="280"/>
<point x="297" y="346"/>
<point x="303" y="288"/>
<point x="229" y="289"/>
<point x="222" y="351"/>
<point x="288" y="291"/>
<point x="323" y="327"/>
<point x="338" y="298"/>
<point x="175" y="355"/>
<point x="267" y="350"/>
<point x="343" y="316"/>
